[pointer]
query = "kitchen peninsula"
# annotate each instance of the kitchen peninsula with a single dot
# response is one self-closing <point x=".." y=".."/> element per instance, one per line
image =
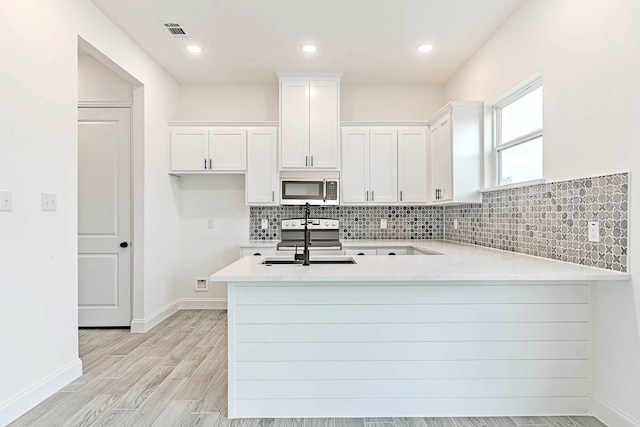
<point x="471" y="331"/>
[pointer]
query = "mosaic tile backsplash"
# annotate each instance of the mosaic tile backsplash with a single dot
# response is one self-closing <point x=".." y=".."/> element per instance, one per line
<point x="551" y="220"/>
<point x="356" y="222"/>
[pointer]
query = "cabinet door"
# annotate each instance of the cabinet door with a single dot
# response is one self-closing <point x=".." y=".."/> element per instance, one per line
<point x="323" y="124"/>
<point x="189" y="149"/>
<point x="261" y="182"/>
<point x="446" y="163"/>
<point x="294" y="124"/>
<point x="355" y="167"/>
<point x="436" y="160"/>
<point x="228" y="149"/>
<point x="383" y="165"/>
<point x="413" y="164"/>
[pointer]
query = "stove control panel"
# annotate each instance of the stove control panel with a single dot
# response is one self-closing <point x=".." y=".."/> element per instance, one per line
<point x="314" y="224"/>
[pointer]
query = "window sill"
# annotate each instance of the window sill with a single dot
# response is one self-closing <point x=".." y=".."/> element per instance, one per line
<point x="514" y="185"/>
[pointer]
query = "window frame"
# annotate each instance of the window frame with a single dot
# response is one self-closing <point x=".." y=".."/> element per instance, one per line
<point x="498" y="146"/>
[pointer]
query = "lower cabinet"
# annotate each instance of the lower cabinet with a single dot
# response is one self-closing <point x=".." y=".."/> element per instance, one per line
<point x="376" y="251"/>
<point x="257" y="252"/>
<point x="360" y="252"/>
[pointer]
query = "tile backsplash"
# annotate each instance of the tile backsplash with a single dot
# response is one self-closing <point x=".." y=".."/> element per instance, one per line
<point x="550" y="221"/>
<point x="546" y="220"/>
<point x="356" y="222"/>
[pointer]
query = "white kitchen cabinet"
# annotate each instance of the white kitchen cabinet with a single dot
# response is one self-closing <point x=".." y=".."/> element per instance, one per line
<point x="257" y="251"/>
<point x="413" y="165"/>
<point x="261" y="183"/>
<point x="456" y="144"/>
<point x="208" y="149"/>
<point x="392" y="251"/>
<point x="369" y="165"/>
<point x="309" y="121"/>
<point x="360" y="251"/>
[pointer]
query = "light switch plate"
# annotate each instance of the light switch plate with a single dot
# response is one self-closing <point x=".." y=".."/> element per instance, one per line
<point x="49" y="201"/>
<point x="383" y="223"/>
<point x="265" y="224"/>
<point x="455" y="223"/>
<point x="6" y="201"/>
<point x="594" y="231"/>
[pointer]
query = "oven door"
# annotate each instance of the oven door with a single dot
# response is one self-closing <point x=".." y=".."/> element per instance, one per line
<point x="299" y="192"/>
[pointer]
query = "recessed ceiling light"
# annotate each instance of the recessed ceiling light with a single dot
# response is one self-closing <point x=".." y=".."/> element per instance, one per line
<point x="309" y="48"/>
<point x="423" y="48"/>
<point x="194" y="49"/>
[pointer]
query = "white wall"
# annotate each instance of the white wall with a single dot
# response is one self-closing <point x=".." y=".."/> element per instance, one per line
<point x="219" y="198"/>
<point x="38" y="152"/>
<point x="96" y="82"/>
<point x="390" y="102"/>
<point x="589" y="55"/>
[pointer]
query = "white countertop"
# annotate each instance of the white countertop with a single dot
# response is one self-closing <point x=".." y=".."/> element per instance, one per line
<point x="457" y="262"/>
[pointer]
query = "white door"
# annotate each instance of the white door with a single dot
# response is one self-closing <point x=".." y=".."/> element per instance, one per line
<point x="355" y="166"/>
<point x="104" y="225"/>
<point x="228" y="149"/>
<point x="323" y="124"/>
<point x="189" y="149"/>
<point x="383" y="165"/>
<point x="294" y="124"/>
<point x="413" y="164"/>
<point x="262" y="167"/>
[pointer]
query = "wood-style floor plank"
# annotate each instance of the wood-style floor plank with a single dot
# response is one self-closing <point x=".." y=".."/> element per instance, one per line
<point x="176" y="375"/>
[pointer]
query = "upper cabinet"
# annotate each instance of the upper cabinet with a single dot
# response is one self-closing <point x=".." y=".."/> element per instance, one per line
<point x="262" y="166"/>
<point x="309" y="120"/>
<point x="413" y="165"/>
<point x="456" y="144"/>
<point x="208" y="149"/>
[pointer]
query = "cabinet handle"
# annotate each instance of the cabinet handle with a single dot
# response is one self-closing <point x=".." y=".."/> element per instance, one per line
<point x="400" y="195"/>
<point x="361" y="253"/>
<point x="306" y="160"/>
<point x="273" y="196"/>
<point x="311" y="161"/>
<point x="367" y="195"/>
<point x="205" y="163"/>
<point x="373" y="198"/>
<point x="210" y="163"/>
<point x="257" y="254"/>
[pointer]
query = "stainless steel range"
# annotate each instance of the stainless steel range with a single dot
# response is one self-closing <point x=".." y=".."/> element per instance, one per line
<point x="324" y="236"/>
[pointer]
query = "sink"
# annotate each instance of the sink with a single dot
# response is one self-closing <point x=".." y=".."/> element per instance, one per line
<point x="323" y="260"/>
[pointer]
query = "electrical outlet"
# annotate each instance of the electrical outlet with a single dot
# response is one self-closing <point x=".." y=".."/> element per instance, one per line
<point x="202" y="284"/>
<point x="265" y="224"/>
<point x="383" y="223"/>
<point x="49" y="201"/>
<point x="455" y="223"/>
<point x="6" y="201"/>
<point x="594" y="231"/>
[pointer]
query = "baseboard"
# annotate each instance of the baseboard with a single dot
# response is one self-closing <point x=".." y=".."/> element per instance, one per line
<point x="140" y="326"/>
<point x="11" y="410"/>
<point x="610" y="415"/>
<point x="145" y="325"/>
<point x="203" y="303"/>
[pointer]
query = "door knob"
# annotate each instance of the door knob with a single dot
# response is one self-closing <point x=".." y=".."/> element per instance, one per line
<point x="124" y="245"/>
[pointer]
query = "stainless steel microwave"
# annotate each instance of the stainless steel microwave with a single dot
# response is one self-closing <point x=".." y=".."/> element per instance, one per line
<point x="315" y="188"/>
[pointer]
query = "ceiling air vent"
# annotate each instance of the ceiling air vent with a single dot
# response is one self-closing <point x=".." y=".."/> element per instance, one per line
<point x="175" y="29"/>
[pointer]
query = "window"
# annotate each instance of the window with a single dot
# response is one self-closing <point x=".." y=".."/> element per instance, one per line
<point x="518" y="147"/>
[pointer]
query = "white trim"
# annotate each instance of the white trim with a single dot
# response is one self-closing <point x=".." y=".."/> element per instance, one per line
<point x="383" y="123"/>
<point x="610" y="415"/>
<point x="203" y="303"/>
<point x="514" y="185"/>
<point x="212" y="123"/>
<point x="105" y="104"/>
<point x="139" y="326"/>
<point x="308" y="74"/>
<point x="28" y="399"/>
<point x="449" y="106"/>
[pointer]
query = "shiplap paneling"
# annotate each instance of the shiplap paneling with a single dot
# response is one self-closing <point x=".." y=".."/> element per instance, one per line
<point x="409" y="369"/>
<point x="408" y="350"/>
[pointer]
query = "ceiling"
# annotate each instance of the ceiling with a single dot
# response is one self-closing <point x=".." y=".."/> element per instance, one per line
<point x="370" y="41"/>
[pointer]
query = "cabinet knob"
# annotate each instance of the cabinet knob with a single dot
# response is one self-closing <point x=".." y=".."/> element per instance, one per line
<point x="392" y="253"/>
<point x="257" y="254"/>
<point x="124" y="245"/>
<point x="361" y="253"/>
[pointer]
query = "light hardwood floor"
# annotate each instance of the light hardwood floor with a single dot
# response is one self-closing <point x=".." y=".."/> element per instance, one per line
<point x="176" y="375"/>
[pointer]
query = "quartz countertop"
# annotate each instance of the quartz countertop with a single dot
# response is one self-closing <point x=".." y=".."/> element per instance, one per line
<point x="453" y="262"/>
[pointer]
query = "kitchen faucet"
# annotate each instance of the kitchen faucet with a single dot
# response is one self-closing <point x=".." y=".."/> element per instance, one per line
<point x="305" y="251"/>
